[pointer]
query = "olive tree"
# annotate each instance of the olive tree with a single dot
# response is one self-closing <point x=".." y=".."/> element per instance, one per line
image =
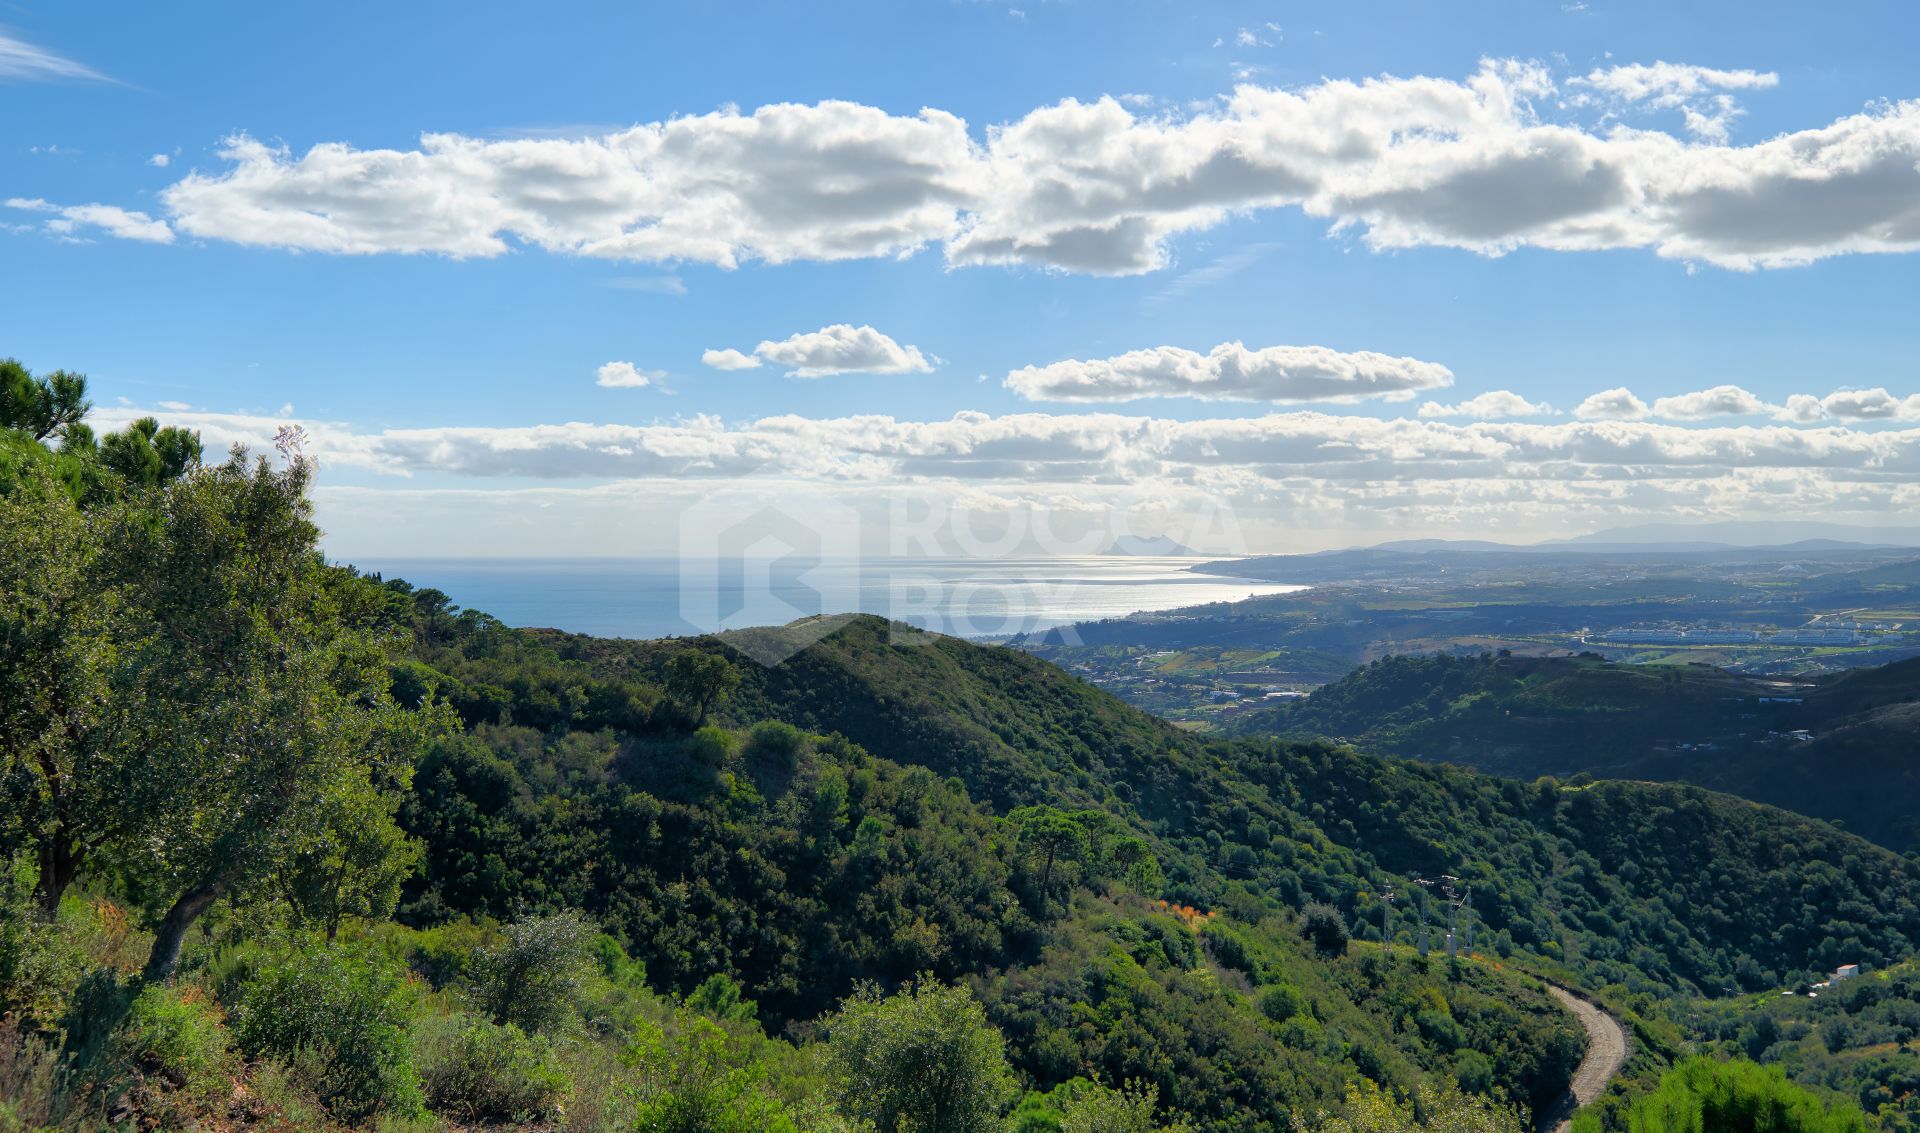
<point x="925" y="1060"/>
<point x="73" y="714"/>
<point x="274" y="709"/>
<point x="184" y="684"/>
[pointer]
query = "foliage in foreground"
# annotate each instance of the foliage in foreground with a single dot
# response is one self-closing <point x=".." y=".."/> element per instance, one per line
<point x="1702" y="1095"/>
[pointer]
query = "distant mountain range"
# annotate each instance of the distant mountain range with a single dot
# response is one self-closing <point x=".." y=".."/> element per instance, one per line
<point x="1656" y="538"/>
<point x="1753" y="534"/>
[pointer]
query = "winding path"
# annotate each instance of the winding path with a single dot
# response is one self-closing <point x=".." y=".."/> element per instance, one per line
<point x="1606" y="1054"/>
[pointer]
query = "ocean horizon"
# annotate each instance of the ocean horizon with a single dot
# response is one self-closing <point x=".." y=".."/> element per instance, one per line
<point x="661" y="596"/>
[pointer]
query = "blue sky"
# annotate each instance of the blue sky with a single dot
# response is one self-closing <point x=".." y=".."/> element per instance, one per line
<point x="420" y="363"/>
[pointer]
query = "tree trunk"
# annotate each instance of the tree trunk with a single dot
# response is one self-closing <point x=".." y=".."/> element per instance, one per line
<point x="167" y="939"/>
<point x="59" y="862"/>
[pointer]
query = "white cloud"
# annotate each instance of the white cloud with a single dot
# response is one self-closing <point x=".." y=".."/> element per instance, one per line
<point x="1699" y="93"/>
<point x="1499" y="403"/>
<point x="1669" y="85"/>
<point x="160" y="160"/>
<point x="1295" y="475"/>
<point x="70" y="221"/>
<point x="787" y="182"/>
<point x="1851" y="405"/>
<point x="625" y="375"/>
<point x="1231" y="372"/>
<point x="1480" y="164"/>
<point x="729" y="359"/>
<point x="1617" y="404"/>
<point x="1720" y="401"/>
<point x="1096" y="448"/>
<point x="837" y="349"/>
<point x="174" y="406"/>
<point x="21" y="61"/>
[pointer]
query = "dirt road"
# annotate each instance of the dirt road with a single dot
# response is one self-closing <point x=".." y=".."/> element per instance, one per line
<point x="1606" y="1054"/>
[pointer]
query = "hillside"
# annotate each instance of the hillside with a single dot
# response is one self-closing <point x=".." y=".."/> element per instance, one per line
<point x="831" y="835"/>
<point x="1293" y="822"/>
<point x="1840" y="747"/>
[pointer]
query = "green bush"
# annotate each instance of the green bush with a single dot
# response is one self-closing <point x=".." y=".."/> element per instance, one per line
<point x="532" y="979"/>
<point x="702" y="1082"/>
<point x="1281" y="1002"/>
<point x="337" y="1014"/>
<point x="1704" y="1096"/>
<point x="1325" y="929"/>
<point x="719" y="997"/>
<point x="775" y="742"/>
<point x="711" y="747"/>
<point x="475" y="1070"/>
<point x="925" y="1060"/>
<point x="175" y="1035"/>
<point x="39" y="963"/>
<point x="30" y="1081"/>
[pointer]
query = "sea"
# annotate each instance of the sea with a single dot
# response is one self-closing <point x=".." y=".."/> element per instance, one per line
<point x="667" y="597"/>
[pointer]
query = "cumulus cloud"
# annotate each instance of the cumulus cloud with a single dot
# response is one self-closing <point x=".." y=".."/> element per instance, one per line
<point x="1232" y="372"/>
<point x="1495" y="403"/>
<point x="75" y="221"/>
<point x="1851" y="405"/>
<point x="1479" y="163"/>
<point x="729" y="359"/>
<point x="826" y="182"/>
<point x="160" y="160"/>
<point x="624" y="375"/>
<point x="1616" y="404"/>
<point x="837" y="349"/>
<point x="1720" y="401"/>
<point x="21" y="61"/>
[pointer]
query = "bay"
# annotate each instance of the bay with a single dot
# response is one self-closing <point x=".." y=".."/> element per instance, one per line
<point x="664" y="597"/>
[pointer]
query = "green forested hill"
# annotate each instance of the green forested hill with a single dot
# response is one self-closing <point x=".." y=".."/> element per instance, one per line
<point x="1855" y="759"/>
<point x="1645" y="885"/>
<point x="872" y="811"/>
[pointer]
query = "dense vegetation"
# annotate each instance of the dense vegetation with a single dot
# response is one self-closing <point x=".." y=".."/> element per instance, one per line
<point x="1838" y="747"/>
<point x="287" y="846"/>
<point x="1857" y="1041"/>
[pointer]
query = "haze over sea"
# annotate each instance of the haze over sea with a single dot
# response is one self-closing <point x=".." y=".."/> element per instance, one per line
<point x="661" y="597"/>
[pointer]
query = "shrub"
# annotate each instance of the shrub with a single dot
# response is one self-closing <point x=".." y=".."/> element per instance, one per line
<point x="1370" y="1109"/>
<point x="336" y="1015"/>
<point x="776" y="743"/>
<point x="39" y="962"/>
<point x="30" y="1081"/>
<point x="924" y="1060"/>
<point x="1281" y="1002"/>
<point x="718" y="997"/>
<point x="1704" y="1096"/>
<point x="1325" y="929"/>
<point x="700" y="1083"/>
<point x="532" y="979"/>
<point x="1097" y="1109"/>
<point x="711" y="747"/>
<point x="175" y="1035"/>
<point x="476" y="1070"/>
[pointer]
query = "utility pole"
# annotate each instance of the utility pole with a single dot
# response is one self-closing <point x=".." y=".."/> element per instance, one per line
<point x="1423" y="883"/>
<point x="1386" y="916"/>
<point x="1466" y="903"/>
<point x="1453" y="908"/>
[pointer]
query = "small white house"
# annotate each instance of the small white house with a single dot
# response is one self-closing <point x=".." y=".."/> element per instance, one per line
<point x="1845" y="972"/>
